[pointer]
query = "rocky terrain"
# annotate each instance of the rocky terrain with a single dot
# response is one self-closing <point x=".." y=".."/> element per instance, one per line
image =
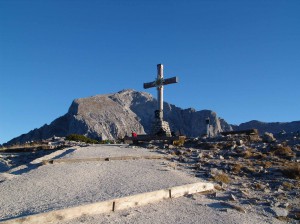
<point x="113" y="116"/>
<point x="262" y="174"/>
<point x="258" y="174"/>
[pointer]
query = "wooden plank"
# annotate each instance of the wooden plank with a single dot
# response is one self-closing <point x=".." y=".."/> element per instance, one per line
<point x="190" y="189"/>
<point x="64" y="214"/>
<point x="140" y="199"/>
<point x="112" y="205"/>
<point x="97" y="159"/>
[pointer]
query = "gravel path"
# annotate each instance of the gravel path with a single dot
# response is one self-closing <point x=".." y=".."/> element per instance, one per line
<point x="58" y="186"/>
<point x="108" y="151"/>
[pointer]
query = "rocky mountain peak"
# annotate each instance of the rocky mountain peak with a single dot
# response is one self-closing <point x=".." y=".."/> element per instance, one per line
<point x="111" y="116"/>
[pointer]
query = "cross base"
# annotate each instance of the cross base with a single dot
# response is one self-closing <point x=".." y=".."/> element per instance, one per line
<point x="161" y="128"/>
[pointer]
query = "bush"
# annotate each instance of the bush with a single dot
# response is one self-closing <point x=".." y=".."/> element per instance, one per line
<point x="107" y="142"/>
<point x="282" y="151"/>
<point x="81" y="138"/>
<point x="292" y="171"/>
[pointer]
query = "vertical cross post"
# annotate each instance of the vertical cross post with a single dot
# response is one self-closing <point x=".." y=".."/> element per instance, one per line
<point x="160" y="89"/>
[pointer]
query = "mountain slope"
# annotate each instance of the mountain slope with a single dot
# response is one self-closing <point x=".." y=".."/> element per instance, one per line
<point x="116" y="115"/>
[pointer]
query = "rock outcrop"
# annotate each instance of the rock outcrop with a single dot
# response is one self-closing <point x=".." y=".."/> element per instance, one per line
<point x="115" y="115"/>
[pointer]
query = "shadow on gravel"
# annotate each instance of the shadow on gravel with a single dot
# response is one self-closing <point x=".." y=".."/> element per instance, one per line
<point x="218" y="205"/>
<point x="64" y="153"/>
<point x="28" y="168"/>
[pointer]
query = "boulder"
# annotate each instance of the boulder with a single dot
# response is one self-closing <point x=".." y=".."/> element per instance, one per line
<point x="268" y="137"/>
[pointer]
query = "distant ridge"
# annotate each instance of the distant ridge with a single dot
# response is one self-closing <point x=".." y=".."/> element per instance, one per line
<point x="273" y="127"/>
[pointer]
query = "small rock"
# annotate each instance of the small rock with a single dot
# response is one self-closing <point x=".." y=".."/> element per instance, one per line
<point x="244" y="193"/>
<point x="200" y="155"/>
<point x="280" y="190"/>
<point x="215" y="194"/>
<point x="268" y="137"/>
<point x="223" y="185"/>
<point x="170" y="146"/>
<point x="244" y="185"/>
<point x="276" y="204"/>
<point x="239" y="142"/>
<point x="279" y="212"/>
<point x="182" y="159"/>
<point x="233" y="147"/>
<point x="232" y="197"/>
<point x="285" y="205"/>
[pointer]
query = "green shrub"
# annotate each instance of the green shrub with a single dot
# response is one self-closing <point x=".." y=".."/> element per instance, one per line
<point x="107" y="141"/>
<point x="81" y="138"/>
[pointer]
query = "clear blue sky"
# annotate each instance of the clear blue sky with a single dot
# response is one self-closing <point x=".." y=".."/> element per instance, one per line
<point x="239" y="58"/>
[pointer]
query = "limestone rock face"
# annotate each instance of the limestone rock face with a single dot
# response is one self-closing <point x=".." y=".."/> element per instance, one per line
<point x="113" y="116"/>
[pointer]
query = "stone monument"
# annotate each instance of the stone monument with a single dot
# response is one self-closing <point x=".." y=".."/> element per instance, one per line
<point x="160" y="127"/>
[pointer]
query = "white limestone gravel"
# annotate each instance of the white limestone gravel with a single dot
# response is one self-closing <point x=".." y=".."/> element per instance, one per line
<point x="108" y="151"/>
<point x="57" y="186"/>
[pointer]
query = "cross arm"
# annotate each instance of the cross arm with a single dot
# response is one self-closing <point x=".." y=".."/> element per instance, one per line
<point x="148" y="85"/>
<point x="171" y="80"/>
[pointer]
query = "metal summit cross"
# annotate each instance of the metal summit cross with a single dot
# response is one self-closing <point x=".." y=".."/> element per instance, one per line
<point x="160" y="127"/>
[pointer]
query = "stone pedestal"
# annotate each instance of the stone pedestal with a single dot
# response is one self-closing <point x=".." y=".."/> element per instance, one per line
<point x="161" y="128"/>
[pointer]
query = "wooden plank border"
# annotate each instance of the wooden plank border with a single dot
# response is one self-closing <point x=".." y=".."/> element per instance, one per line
<point x="97" y="159"/>
<point x="112" y="205"/>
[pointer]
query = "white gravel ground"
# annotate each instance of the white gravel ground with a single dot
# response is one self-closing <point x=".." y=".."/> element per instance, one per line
<point x="58" y="186"/>
<point x="108" y="151"/>
<point x="185" y="210"/>
<point x="44" y="188"/>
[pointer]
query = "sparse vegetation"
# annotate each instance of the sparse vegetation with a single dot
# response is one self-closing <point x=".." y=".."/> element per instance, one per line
<point x="292" y="171"/>
<point x="237" y="168"/>
<point x="81" y="138"/>
<point x="222" y="177"/>
<point x="281" y="151"/>
<point x="267" y="164"/>
<point x="107" y="141"/>
<point x="179" y="142"/>
<point x="247" y="154"/>
<point x="287" y="185"/>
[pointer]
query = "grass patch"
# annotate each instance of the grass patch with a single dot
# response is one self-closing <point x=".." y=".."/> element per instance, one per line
<point x="281" y="151"/>
<point x="222" y="177"/>
<point x="247" y="154"/>
<point x="237" y="168"/>
<point x="267" y="164"/>
<point x="287" y="185"/>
